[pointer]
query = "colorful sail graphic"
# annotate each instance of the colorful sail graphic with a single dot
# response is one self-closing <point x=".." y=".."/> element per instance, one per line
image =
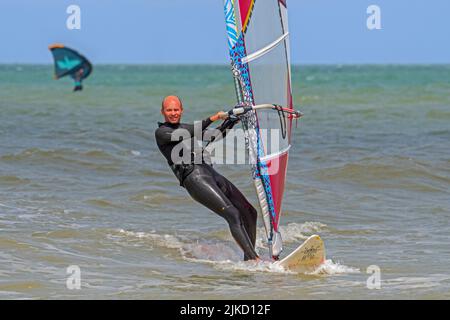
<point x="258" y="41"/>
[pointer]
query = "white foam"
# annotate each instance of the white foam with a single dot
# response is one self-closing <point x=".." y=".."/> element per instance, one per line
<point x="253" y="266"/>
<point x="224" y="255"/>
<point x="191" y="250"/>
<point x="166" y="240"/>
<point x="227" y="256"/>
<point x="209" y="252"/>
<point x="330" y="268"/>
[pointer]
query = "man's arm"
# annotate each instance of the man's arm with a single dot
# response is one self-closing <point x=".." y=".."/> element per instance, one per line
<point x="227" y="125"/>
<point x="206" y="122"/>
<point x="223" y="128"/>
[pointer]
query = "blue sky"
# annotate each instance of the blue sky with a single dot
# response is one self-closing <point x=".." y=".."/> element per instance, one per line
<point x="193" y="31"/>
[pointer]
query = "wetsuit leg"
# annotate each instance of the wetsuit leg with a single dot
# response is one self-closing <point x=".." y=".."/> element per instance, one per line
<point x="248" y="212"/>
<point x="249" y="216"/>
<point x="201" y="184"/>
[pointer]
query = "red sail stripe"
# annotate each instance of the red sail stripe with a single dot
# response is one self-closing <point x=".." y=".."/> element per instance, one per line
<point x="245" y="7"/>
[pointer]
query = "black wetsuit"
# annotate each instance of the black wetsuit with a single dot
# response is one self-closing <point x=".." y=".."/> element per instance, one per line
<point x="208" y="187"/>
<point x="77" y="78"/>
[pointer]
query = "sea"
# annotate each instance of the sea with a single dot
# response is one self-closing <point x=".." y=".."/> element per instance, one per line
<point x="89" y="208"/>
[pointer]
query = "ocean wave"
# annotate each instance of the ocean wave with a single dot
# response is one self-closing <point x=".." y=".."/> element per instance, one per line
<point x="103" y="203"/>
<point x="93" y="159"/>
<point x="36" y="153"/>
<point x="13" y="181"/>
<point x="440" y="133"/>
<point x="8" y="243"/>
<point x="404" y="173"/>
<point x="61" y="234"/>
<point x="414" y="283"/>
<point x="162" y="241"/>
<point x="155" y="173"/>
<point x="120" y="185"/>
<point x="157" y="198"/>
<point x="438" y="114"/>
<point x="21" y="286"/>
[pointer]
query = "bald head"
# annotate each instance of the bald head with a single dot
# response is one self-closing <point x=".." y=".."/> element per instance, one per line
<point x="171" y="101"/>
<point x="172" y="109"/>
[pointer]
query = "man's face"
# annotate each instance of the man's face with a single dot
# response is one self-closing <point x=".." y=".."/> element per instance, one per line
<point x="172" y="112"/>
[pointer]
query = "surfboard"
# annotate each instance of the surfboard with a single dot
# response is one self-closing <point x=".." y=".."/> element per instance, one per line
<point x="307" y="257"/>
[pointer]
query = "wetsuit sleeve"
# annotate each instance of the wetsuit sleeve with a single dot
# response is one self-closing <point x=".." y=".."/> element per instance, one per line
<point x="191" y="127"/>
<point x="227" y="124"/>
<point x="206" y="123"/>
<point x="164" y="135"/>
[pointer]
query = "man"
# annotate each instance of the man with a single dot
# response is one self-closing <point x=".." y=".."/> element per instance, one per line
<point x="202" y="182"/>
<point x="77" y="77"/>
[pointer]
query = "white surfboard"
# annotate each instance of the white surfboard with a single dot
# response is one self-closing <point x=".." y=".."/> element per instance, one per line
<point x="307" y="257"/>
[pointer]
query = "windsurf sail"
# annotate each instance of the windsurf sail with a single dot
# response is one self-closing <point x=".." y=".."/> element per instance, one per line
<point x="69" y="62"/>
<point x="258" y="41"/>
